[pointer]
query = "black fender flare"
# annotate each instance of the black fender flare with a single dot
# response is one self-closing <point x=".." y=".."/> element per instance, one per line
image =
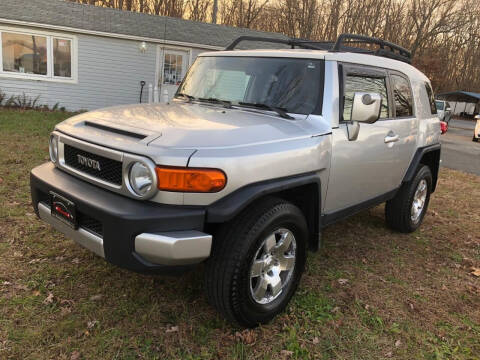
<point x="227" y="208"/>
<point x="433" y="152"/>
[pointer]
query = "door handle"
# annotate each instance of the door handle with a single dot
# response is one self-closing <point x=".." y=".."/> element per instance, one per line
<point x="391" y="138"/>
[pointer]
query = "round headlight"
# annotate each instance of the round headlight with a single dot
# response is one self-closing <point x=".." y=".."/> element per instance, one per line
<point x="53" y="149"/>
<point x="140" y="178"/>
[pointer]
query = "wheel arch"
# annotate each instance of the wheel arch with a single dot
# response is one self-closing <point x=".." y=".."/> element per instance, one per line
<point x="304" y="191"/>
<point x="430" y="156"/>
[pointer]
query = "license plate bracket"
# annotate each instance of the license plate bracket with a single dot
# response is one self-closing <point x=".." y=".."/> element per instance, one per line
<point x="63" y="210"/>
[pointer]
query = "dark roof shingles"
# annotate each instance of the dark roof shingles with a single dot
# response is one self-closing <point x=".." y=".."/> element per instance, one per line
<point x="87" y="17"/>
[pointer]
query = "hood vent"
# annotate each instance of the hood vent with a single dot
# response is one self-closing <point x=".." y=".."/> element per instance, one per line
<point x="115" y="130"/>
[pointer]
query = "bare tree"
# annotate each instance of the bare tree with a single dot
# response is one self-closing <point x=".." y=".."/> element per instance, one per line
<point x="443" y="35"/>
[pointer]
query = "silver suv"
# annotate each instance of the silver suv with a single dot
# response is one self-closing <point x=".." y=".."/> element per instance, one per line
<point x="259" y="151"/>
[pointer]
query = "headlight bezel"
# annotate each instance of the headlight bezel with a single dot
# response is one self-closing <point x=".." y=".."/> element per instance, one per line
<point x="150" y="167"/>
<point x="53" y="148"/>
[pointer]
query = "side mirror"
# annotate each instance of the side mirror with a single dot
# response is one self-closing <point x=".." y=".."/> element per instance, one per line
<point x="447" y="109"/>
<point x="366" y="107"/>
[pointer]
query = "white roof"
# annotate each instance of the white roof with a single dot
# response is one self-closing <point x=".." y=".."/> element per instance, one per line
<point x="348" y="57"/>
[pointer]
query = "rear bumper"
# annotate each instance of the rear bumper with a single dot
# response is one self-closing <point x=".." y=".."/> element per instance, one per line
<point x="137" y="235"/>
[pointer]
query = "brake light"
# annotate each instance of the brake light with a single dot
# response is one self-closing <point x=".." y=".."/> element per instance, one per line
<point x="190" y="179"/>
<point x="443" y="127"/>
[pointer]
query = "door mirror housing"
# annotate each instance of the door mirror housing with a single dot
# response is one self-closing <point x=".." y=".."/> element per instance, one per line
<point x="366" y="107"/>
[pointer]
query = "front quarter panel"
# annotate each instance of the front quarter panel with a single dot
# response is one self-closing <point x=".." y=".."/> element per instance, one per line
<point x="248" y="165"/>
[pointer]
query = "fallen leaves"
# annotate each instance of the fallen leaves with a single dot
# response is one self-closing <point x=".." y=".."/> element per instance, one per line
<point x="75" y="355"/>
<point x="286" y="353"/>
<point x="49" y="299"/>
<point x="171" y="329"/>
<point x="96" y="297"/>
<point x="475" y="271"/>
<point x="247" y="336"/>
<point x="91" y="324"/>
<point x="342" y="281"/>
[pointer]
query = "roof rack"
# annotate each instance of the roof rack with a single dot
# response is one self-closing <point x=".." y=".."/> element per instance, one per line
<point x="343" y="43"/>
<point x="306" y="44"/>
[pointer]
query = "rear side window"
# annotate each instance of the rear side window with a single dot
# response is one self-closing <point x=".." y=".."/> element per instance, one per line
<point x="431" y="99"/>
<point x="355" y="83"/>
<point x="402" y="96"/>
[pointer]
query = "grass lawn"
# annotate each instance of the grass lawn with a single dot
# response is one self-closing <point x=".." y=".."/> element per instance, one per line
<point x="368" y="294"/>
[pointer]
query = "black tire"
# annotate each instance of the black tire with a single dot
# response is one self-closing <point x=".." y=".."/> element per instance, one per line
<point x="398" y="210"/>
<point x="236" y="244"/>
<point x="475" y="139"/>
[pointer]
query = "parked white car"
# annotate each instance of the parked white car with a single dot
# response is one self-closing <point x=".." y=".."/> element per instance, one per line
<point x="476" y="132"/>
<point x="444" y="110"/>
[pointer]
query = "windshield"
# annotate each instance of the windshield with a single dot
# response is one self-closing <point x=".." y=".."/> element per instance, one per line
<point x="439" y="105"/>
<point x="293" y="85"/>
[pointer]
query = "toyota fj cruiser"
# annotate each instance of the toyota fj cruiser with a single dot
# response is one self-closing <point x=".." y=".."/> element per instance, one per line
<point x="257" y="153"/>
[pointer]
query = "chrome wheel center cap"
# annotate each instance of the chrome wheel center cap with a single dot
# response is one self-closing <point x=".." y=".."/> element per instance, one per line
<point x="419" y="199"/>
<point x="272" y="266"/>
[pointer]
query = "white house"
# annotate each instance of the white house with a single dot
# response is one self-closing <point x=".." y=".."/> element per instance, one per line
<point x="87" y="57"/>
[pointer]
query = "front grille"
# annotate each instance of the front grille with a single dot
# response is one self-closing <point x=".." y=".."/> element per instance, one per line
<point x="90" y="224"/>
<point x="110" y="170"/>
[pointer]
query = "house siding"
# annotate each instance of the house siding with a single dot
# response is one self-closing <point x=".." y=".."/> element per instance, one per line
<point x="109" y="73"/>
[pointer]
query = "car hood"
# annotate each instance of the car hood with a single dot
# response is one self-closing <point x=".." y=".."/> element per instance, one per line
<point x="181" y="125"/>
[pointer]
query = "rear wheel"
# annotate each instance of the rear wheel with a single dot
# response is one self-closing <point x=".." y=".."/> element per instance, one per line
<point x="257" y="262"/>
<point x="405" y="212"/>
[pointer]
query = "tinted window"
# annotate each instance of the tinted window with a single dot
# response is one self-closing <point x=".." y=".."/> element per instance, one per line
<point x="403" y="96"/>
<point x="439" y="105"/>
<point x="291" y="84"/>
<point x="355" y="83"/>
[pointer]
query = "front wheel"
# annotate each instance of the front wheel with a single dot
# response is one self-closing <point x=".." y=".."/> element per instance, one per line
<point x="405" y="212"/>
<point x="257" y="262"/>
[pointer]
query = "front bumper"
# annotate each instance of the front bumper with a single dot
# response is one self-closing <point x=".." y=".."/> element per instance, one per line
<point x="133" y="234"/>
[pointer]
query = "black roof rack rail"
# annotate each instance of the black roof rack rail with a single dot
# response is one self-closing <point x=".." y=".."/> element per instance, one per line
<point x="386" y="48"/>
<point x="306" y="44"/>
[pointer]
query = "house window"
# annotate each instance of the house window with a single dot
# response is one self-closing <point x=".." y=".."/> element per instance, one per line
<point x="62" y="57"/>
<point x="26" y="54"/>
<point x="38" y="56"/>
<point x="173" y="68"/>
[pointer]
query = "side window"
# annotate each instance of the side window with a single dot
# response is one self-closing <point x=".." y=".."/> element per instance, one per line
<point x="431" y="99"/>
<point x="358" y="83"/>
<point x="403" y="96"/>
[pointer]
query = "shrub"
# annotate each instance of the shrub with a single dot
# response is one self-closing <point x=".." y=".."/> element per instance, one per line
<point x="25" y="102"/>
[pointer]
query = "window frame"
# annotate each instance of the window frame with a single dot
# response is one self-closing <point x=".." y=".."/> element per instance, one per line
<point x="346" y="69"/>
<point x="392" y="87"/>
<point x="50" y="36"/>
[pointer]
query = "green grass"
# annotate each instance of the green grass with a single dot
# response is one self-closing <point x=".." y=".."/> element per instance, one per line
<point x="407" y="296"/>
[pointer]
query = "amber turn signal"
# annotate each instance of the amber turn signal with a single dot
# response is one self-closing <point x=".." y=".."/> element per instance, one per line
<point x="190" y="179"/>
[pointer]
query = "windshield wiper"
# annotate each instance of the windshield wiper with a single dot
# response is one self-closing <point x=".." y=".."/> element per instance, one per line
<point x="225" y="103"/>
<point x="185" y="96"/>
<point x="279" y="111"/>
